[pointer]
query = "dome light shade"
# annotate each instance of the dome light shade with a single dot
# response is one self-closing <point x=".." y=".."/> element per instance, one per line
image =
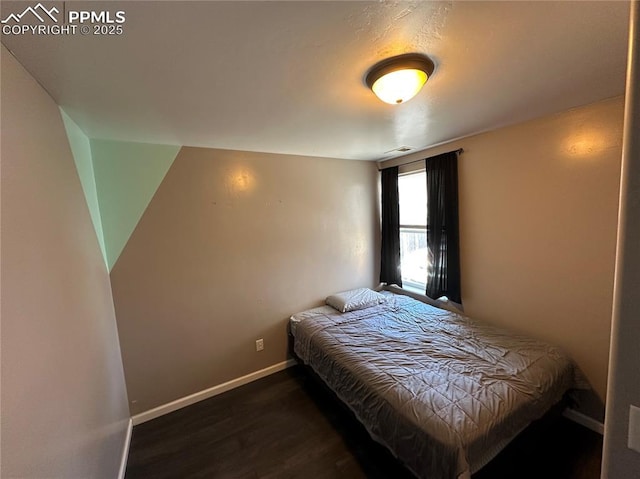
<point x="398" y="79"/>
<point x="399" y="86"/>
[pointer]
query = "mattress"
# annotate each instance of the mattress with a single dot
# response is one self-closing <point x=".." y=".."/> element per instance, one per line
<point x="443" y="392"/>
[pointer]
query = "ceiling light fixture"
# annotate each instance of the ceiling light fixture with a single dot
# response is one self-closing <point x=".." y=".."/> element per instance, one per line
<point x="398" y="79"/>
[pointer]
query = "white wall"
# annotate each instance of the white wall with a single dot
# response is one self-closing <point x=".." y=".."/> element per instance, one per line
<point x="64" y="403"/>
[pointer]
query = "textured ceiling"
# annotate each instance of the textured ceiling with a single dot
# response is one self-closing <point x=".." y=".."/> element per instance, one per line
<point x="287" y="77"/>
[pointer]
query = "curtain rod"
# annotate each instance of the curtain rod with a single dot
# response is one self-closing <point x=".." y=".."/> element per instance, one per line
<point x="459" y="150"/>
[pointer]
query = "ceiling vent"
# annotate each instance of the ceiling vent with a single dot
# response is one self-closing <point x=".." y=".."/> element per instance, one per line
<point x="401" y="149"/>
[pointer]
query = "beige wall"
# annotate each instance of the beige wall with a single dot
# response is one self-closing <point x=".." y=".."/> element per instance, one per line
<point x="618" y="461"/>
<point x="230" y="246"/>
<point x="64" y="403"/>
<point x="538" y="213"/>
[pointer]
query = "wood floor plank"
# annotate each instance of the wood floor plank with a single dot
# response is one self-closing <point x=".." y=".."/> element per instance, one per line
<point x="286" y="426"/>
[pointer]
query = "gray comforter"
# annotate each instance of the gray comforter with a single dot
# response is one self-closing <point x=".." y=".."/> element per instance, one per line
<point x="442" y="392"/>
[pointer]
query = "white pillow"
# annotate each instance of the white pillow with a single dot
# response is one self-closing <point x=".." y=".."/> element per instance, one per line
<point x="354" y="299"/>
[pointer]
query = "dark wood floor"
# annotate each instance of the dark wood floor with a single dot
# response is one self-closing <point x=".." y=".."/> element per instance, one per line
<point x="287" y="426"/>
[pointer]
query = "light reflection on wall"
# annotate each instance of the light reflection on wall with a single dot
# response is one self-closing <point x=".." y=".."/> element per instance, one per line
<point x="584" y="144"/>
<point x="241" y="180"/>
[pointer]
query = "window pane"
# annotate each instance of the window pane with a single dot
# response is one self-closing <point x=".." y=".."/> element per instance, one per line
<point x="412" y="190"/>
<point x="414" y="255"/>
<point x="414" y="264"/>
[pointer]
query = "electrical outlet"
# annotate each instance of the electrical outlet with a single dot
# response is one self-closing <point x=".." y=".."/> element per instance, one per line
<point x="259" y="344"/>
<point x="634" y="428"/>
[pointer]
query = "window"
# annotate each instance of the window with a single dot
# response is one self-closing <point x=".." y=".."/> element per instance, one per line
<point x="414" y="254"/>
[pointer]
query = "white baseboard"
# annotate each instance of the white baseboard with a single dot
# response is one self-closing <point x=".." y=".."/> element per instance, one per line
<point x="210" y="392"/>
<point x="125" y="450"/>
<point x="584" y="420"/>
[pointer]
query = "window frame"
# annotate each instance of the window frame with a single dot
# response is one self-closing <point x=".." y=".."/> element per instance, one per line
<point x="409" y="170"/>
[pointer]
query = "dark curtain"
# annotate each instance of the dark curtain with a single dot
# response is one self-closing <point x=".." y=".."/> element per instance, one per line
<point x="442" y="227"/>
<point x="390" y="255"/>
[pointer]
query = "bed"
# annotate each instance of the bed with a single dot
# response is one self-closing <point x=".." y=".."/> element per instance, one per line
<point x="443" y="392"/>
